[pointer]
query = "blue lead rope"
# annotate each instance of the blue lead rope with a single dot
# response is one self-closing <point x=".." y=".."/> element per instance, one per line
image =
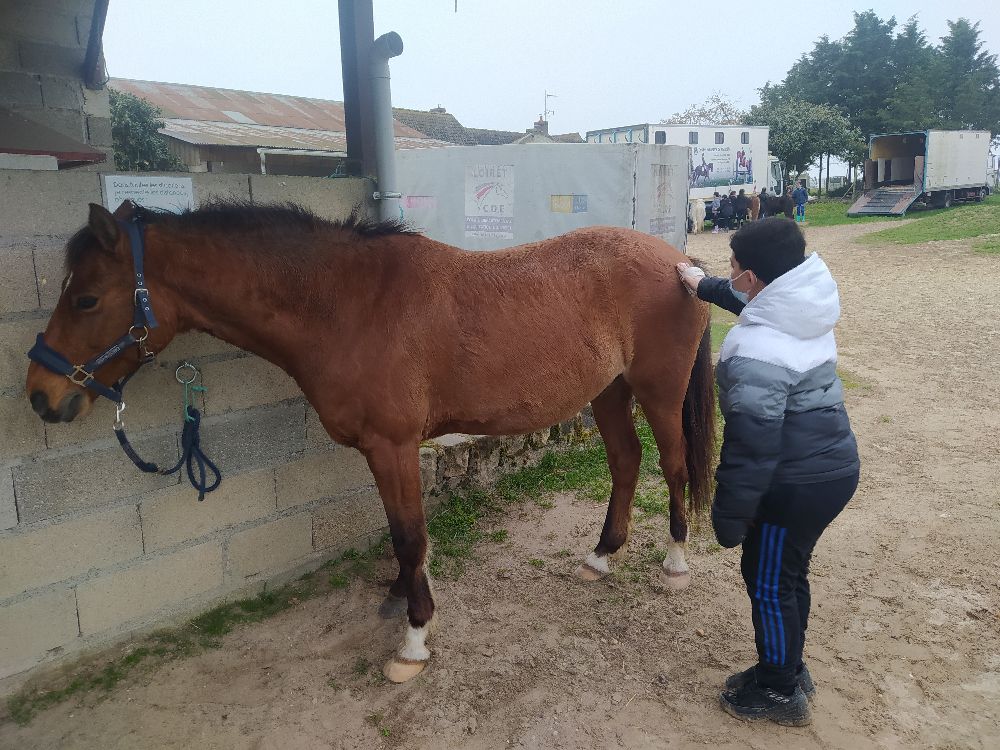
<point x="192" y="456"/>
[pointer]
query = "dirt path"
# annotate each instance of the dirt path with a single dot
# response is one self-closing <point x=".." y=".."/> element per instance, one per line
<point x="904" y="641"/>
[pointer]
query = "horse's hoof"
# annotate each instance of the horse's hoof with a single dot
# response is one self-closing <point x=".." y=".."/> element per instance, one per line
<point x="392" y="607"/>
<point x="675" y="581"/>
<point x="587" y="573"/>
<point x="400" y="670"/>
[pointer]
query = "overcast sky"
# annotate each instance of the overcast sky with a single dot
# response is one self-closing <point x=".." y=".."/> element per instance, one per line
<point x="614" y="62"/>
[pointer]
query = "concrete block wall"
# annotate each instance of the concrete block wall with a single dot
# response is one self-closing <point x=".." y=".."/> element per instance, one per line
<point x="91" y="549"/>
<point x="43" y="44"/>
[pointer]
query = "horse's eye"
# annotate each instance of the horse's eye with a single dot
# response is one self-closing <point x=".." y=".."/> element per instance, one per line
<point x="86" y="303"/>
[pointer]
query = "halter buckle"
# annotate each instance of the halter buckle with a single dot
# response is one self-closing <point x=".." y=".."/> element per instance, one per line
<point x="119" y="423"/>
<point x="79" y="372"/>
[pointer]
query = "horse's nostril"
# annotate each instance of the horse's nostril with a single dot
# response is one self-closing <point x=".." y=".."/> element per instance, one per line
<point x="39" y="402"/>
<point x="71" y="407"/>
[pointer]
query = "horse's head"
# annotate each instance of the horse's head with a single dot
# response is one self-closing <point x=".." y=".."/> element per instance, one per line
<point x="96" y="309"/>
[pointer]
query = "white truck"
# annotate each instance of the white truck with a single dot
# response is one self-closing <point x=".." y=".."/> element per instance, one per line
<point x="723" y="157"/>
<point x="934" y="167"/>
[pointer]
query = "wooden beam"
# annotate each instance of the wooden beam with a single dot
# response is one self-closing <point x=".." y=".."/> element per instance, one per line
<point x="357" y="34"/>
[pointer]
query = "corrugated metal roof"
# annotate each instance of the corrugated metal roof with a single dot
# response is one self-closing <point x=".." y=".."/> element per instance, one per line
<point x="180" y="101"/>
<point x="239" y="134"/>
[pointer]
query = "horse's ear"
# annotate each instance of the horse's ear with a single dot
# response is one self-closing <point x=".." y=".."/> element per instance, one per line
<point x="104" y="226"/>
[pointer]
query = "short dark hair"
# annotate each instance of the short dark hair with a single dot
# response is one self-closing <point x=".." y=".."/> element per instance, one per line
<point x="770" y="248"/>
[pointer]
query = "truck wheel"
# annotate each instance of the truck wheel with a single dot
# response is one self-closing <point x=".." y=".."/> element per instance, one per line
<point x="980" y="194"/>
<point x="943" y="199"/>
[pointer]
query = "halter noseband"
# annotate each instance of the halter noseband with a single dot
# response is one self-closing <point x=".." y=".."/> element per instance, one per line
<point x="142" y="321"/>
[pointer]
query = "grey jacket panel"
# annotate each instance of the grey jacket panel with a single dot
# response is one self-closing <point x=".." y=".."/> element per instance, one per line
<point x="782" y="426"/>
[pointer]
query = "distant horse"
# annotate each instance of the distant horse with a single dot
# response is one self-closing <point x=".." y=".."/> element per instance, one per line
<point x="395" y="338"/>
<point x="754" y="206"/>
<point x="780" y="204"/>
<point x="696" y="214"/>
<point x="701" y="173"/>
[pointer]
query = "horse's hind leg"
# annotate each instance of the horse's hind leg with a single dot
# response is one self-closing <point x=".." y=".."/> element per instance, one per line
<point x="397" y="473"/>
<point x="664" y="416"/>
<point x="613" y="414"/>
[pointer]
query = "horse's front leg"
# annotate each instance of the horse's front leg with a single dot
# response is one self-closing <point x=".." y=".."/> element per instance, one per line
<point x="396" y="468"/>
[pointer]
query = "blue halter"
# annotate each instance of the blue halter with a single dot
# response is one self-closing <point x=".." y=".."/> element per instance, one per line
<point x="142" y="321"/>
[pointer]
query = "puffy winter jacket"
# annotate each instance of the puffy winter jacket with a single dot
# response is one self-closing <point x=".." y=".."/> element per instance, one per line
<point x="779" y="393"/>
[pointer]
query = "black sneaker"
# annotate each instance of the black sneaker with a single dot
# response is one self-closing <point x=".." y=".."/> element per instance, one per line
<point x="752" y="702"/>
<point x="735" y="681"/>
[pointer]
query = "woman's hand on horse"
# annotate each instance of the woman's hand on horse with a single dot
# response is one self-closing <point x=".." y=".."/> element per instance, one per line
<point x="691" y="276"/>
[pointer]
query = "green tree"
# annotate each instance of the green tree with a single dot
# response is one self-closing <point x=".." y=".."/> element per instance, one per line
<point x="968" y="80"/>
<point x="717" y="109"/>
<point x="912" y="104"/>
<point x="800" y="132"/>
<point x="134" y="132"/>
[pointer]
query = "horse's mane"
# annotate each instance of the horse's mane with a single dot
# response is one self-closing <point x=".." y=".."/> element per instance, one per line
<point x="226" y="215"/>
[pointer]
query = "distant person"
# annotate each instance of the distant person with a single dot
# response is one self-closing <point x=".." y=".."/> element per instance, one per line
<point x="716" y="205"/>
<point x="763" y="204"/>
<point x="726" y="212"/>
<point x="801" y="196"/>
<point x="742" y="205"/>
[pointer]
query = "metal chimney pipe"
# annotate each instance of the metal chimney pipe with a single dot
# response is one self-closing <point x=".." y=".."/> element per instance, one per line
<point x="384" y="48"/>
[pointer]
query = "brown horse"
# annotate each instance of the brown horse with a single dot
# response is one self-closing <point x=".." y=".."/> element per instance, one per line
<point x="395" y="338"/>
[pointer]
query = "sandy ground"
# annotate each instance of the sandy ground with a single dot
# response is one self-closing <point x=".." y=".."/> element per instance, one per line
<point x="904" y="641"/>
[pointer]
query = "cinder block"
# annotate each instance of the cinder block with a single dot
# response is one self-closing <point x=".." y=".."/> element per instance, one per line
<point x="315" y="431"/>
<point x="50" y="487"/>
<point x="21" y="431"/>
<point x="428" y="469"/>
<point x="325" y="474"/>
<point x="194" y="346"/>
<point x="61" y="93"/>
<point x="16" y="338"/>
<point x="49" y="262"/>
<point x="8" y="508"/>
<point x="255" y="440"/>
<point x="175" y="515"/>
<point x="9" y="58"/>
<point x="344" y="520"/>
<point x="314" y="193"/>
<point x="34" y="627"/>
<point x="216" y="185"/>
<point x="19" y="90"/>
<point x="38" y="557"/>
<point x="17" y="282"/>
<point x="270" y="547"/>
<point x="153" y="398"/>
<point x="97" y="103"/>
<point x="161" y="583"/>
<point x="47" y="203"/>
<point x="99" y="131"/>
<point x="245" y="382"/>
<point x="42" y="21"/>
<point x="69" y="122"/>
<point x="51" y="59"/>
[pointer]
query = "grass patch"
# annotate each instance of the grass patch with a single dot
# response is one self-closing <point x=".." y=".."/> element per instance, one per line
<point x="828" y="212"/>
<point x="956" y="223"/>
<point x="988" y="246"/>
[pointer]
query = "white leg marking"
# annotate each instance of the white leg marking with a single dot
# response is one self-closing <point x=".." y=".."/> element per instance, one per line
<point x="598" y="563"/>
<point x="674" y="561"/>
<point x="413" y="646"/>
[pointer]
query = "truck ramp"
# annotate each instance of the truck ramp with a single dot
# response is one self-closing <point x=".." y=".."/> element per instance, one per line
<point x="885" y="201"/>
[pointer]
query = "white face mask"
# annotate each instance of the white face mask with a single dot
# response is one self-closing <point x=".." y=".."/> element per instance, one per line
<point x="743" y="297"/>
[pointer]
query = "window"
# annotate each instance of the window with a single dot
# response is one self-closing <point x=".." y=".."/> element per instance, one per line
<point x="744" y="137"/>
<point x="693" y="137"/>
<point x="720" y="137"/>
<point x="660" y="137"/>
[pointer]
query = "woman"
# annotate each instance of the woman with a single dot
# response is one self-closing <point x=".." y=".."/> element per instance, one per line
<point x="789" y="460"/>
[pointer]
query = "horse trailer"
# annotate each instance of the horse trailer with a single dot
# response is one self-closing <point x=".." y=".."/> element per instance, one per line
<point x="723" y="157"/>
<point x="933" y="167"/>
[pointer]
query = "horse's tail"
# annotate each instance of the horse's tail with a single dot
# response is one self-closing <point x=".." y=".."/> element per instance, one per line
<point x="698" y="420"/>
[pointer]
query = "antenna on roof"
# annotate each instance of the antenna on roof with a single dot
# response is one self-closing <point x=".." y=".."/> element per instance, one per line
<point x="545" y="109"/>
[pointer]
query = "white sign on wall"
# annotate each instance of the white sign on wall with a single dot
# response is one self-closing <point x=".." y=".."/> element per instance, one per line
<point x="489" y="201"/>
<point x="167" y="193"/>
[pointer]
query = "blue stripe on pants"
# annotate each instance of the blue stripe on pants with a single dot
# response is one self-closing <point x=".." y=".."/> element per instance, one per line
<point x="774" y="596"/>
<point x="761" y="604"/>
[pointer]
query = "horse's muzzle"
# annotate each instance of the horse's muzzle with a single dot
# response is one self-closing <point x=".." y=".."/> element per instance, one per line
<point x="67" y="411"/>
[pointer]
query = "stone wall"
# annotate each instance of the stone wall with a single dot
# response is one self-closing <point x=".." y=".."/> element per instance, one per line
<point x="43" y="44"/>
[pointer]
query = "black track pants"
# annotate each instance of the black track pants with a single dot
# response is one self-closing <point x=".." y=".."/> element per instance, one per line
<point x="775" y="569"/>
